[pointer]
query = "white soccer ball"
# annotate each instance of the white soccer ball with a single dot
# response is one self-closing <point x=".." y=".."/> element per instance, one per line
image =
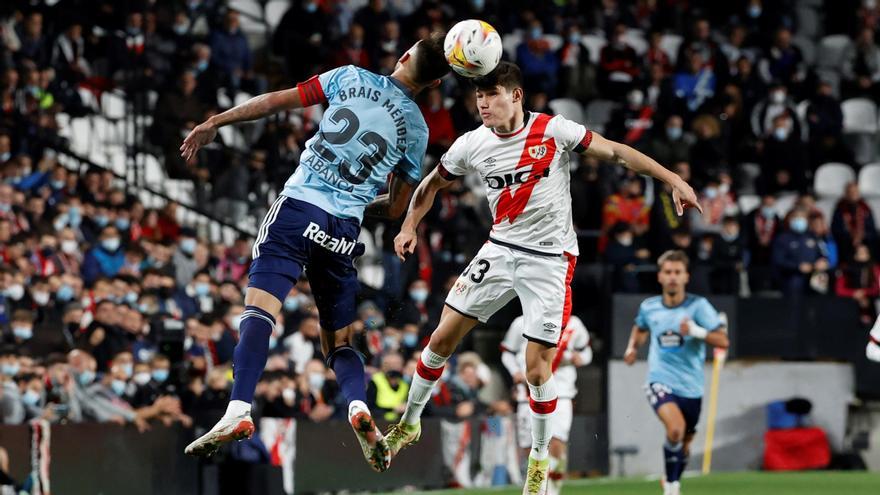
<point x="472" y="48"/>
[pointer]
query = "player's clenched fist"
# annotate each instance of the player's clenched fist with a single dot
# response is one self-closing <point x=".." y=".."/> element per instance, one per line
<point x="405" y="243"/>
<point x="629" y="356"/>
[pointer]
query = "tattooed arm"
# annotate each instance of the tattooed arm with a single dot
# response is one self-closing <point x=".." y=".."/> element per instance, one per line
<point x="393" y="203"/>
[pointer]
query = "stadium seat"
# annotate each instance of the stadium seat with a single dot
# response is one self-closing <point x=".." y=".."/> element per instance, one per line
<point x="859" y="115"/>
<point x="510" y="41"/>
<point x="832" y="77"/>
<point x="248" y="8"/>
<point x="808" y="22"/>
<point x="636" y="39"/>
<point x="831" y="178"/>
<point x="784" y="203"/>
<point x="594" y="44"/>
<point x="874" y="203"/>
<point x="748" y="203"/>
<point x="80" y="135"/>
<point x="669" y="44"/>
<point x="831" y="50"/>
<point x="154" y="172"/>
<point x="275" y="10"/>
<point x="807" y="48"/>
<point x="568" y="108"/>
<point x="826" y="206"/>
<point x="554" y="40"/>
<point x="599" y="113"/>
<point x="869" y="180"/>
<point x="113" y="105"/>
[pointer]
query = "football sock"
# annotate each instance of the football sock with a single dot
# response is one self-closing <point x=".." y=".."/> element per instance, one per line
<point x="673" y="455"/>
<point x="542" y="401"/>
<point x="249" y="357"/>
<point x="349" y="369"/>
<point x="428" y="371"/>
<point x="683" y="464"/>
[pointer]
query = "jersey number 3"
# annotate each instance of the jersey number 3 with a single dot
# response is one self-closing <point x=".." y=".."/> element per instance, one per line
<point x="480" y="273"/>
<point x="373" y="142"/>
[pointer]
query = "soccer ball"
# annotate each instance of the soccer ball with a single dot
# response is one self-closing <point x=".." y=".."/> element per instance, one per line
<point x="472" y="48"/>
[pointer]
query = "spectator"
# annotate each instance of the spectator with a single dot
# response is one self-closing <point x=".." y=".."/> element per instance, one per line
<point x="105" y="259"/>
<point x="540" y="65"/>
<point x="853" y="223"/>
<point x="693" y="86"/>
<point x="765" y="112"/>
<point x="628" y="206"/>
<point x="577" y="74"/>
<point x="305" y="344"/>
<point x="664" y="220"/>
<point x="782" y="157"/>
<point x="34" y="45"/>
<point x="184" y="259"/>
<point x="718" y="202"/>
<point x="797" y="260"/>
<point x="441" y="131"/>
<point x="624" y="254"/>
<point x="387" y="391"/>
<point x="21" y="332"/>
<point x="352" y="51"/>
<point x="317" y="395"/>
<point x="301" y="38"/>
<point x="671" y="145"/>
<point x="727" y="258"/>
<point x="619" y="65"/>
<point x="700" y="43"/>
<point x="373" y="17"/>
<point x="708" y="156"/>
<point x="783" y="61"/>
<point x="176" y="112"/>
<point x="827" y="245"/>
<point x="415" y="309"/>
<point x="860" y="280"/>
<point x="861" y="66"/>
<point x="631" y="124"/>
<point x="231" y="53"/>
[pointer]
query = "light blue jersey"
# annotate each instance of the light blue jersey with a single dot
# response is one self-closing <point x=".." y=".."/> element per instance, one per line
<point x="371" y="128"/>
<point x="675" y="360"/>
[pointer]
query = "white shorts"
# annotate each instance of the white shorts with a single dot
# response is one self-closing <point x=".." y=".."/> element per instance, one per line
<point x="560" y="422"/>
<point x="498" y="273"/>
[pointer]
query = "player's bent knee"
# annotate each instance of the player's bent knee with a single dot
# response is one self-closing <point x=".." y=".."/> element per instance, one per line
<point x="263" y="300"/>
<point x="675" y="434"/>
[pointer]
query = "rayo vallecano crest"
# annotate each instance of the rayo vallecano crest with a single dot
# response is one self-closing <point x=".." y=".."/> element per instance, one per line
<point x="537" y="152"/>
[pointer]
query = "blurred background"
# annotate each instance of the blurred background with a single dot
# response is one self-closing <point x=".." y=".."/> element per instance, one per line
<point x="122" y="268"/>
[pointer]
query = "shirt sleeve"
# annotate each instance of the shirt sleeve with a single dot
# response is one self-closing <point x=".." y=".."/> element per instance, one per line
<point x="315" y="89"/>
<point x="570" y="135"/>
<point x="513" y="339"/>
<point x="454" y="163"/>
<point x="707" y="316"/>
<point x="581" y="338"/>
<point x="641" y="320"/>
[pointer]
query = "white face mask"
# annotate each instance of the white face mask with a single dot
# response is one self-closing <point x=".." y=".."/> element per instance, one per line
<point x="41" y="298"/>
<point x="288" y="394"/>
<point x="69" y="246"/>
<point x="15" y="292"/>
<point x="142" y="378"/>
<point x="777" y="97"/>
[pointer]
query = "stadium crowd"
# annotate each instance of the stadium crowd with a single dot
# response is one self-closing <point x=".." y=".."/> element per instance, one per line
<point x="111" y="311"/>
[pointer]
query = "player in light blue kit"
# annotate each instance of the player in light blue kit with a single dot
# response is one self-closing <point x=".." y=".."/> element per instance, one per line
<point x="679" y="326"/>
<point x="371" y="129"/>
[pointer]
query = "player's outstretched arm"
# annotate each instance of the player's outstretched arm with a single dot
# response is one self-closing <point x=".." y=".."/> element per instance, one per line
<point x="255" y="108"/>
<point x="421" y="203"/>
<point x="393" y="203"/>
<point x="612" y="151"/>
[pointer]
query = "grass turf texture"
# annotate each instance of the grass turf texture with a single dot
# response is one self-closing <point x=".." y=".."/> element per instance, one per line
<point x="749" y="483"/>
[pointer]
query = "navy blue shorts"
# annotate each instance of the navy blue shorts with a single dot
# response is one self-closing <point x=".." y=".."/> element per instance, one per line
<point x="297" y="236"/>
<point x="659" y="394"/>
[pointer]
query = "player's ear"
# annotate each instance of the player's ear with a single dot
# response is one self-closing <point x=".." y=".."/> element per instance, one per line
<point x="517" y="95"/>
<point x="434" y="83"/>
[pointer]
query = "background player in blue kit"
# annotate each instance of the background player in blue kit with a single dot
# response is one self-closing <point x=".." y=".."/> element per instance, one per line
<point x="679" y="326"/>
<point x="372" y="128"/>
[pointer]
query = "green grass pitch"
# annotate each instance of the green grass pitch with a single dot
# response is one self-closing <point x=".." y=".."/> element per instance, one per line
<point x="749" y="483"/>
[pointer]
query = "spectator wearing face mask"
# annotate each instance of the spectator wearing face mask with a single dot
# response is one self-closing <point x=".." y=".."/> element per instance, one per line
<point x="184" y="260"/>
<point x="305" y="343"/>
<point x="21" y="332"/>
<point x="727" y="257"/>
<point x="627" y="205"/>
<point x="440" y="127"/>
<point x="796" y="257"/>
<point x="387" y="391"/>
<point x="670" y="145"/>
<point x="625" y="254"/>
<point x="33" y="396"/>
<point x="619" y="65"/>
<point x="415" y="308"/>
<point x="195" y="297"/>
<point x="718" y="201"/>
<point x="316" y="395"/>
<point x="577" y="74"/>
<point x="775" y="104"/>
<point x="632" y="123"/>
<point x="783" y="157"/>
<point x="105" y="259"/>
<point x="827" y="244"/>
<point x="539" y="64"/>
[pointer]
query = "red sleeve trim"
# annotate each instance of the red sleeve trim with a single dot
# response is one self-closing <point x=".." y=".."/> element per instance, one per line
<point x="585" y="142"/>
<point x="446" y="174"/>
<point x="311" y="92"/>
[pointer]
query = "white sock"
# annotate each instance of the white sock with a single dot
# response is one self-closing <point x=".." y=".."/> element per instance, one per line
<point x="542" y="402"/>
<point x="359" y="404"/>
<point x="427" y="374"/>
<point x="237" y="408"/>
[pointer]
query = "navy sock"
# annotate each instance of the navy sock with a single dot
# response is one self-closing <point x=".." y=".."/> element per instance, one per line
<point x="350" y="376"/>
<point x="683" y="464"/>
<point x="673" y="456"/>
<point x="249" y="357"/>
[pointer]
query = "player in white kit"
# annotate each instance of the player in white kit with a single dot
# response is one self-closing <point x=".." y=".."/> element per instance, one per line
<point x="872" y="351"/>
<point x="523" y="158"/>
<point x="572" y="352"/>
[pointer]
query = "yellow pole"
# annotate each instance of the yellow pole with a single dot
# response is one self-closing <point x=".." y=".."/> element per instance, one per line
<point x="718" y="358"/>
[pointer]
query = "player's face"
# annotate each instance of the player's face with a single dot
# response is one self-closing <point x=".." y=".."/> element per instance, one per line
<point x="497" y="106"/>
<point x="673" y="277"/>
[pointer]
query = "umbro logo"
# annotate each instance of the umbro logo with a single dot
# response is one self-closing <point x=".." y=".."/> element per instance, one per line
<point x="490" y="161"/>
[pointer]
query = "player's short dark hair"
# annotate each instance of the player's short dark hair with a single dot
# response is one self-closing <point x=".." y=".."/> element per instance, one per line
<point x="673" y="255"/>
<point x="430" y="60"/>
<point x="506" y="75"/>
